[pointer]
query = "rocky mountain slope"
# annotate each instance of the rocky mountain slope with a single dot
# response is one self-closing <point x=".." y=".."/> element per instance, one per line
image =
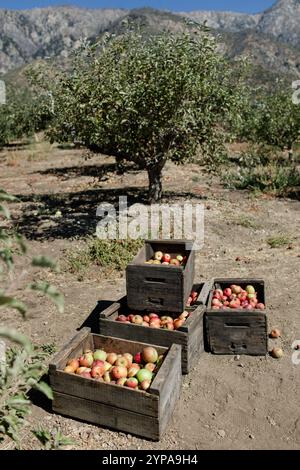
<point x="271" y="38"/>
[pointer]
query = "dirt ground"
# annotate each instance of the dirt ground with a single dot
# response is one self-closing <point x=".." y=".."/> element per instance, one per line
<point x="226" y="402"/>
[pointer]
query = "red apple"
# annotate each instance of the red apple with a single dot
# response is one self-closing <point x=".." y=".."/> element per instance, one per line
<point x="149" y="354"/>
<point x="166" y="258"/>
<point x="168" y="325"/>
<point x="145" y="324"/>
<point x="132" y="382"/>
<point x="150" y="366"/>
<point x="154" y="324"/>
<point x="86" y="375"/>
<point x="86" y="360"/>
<point x="249" y="307"/>
<point x="260" y="306"/>
<point x="217" y="292"/>
<point x="227" y="292"/>
<point x="138" y="358"/>
<point x="122" y="361"/>
<point x="236" y="289"/>
<point x="82" y="369"/>
<point x="184" y="315"/>
<point x="111" y="358"/>
<point x="216" y="303"/>
<point x="98" y="370"/>
<point x="153" y="315"/>
<point x="130" y="317"/>
<point x="118" y="372"/>
<point x="165" y="263"/>
<point x="146" y="318"/>
<point x="189" y="301"/>
<point x="121" y="318"/>
<point x="214" y="307"/>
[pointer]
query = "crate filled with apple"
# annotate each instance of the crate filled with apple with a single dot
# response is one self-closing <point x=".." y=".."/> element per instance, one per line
<point x="236" y="317"/>
<point x="163" y="328"/>
<point x="125" y="385"/>
<point x="161" y="276"/>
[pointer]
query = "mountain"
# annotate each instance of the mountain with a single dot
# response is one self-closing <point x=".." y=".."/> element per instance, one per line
<point x="271" y="38"/>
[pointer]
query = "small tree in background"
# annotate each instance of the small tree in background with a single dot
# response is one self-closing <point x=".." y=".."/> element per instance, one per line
<point x="146" y="100"/>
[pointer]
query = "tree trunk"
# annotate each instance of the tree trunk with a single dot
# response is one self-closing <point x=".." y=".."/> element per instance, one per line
<point x="155" y="184"/>
<point x="291" y="154"/>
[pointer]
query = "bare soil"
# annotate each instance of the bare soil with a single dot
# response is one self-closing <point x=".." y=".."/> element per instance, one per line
<point x="226" y="402"/>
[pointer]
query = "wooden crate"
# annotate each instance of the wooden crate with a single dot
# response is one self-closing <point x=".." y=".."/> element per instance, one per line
<point x="237" y="331"/>
<point x="141" y="413"/>
<point x="190" y="335"/>
<point x="160" y="288"/>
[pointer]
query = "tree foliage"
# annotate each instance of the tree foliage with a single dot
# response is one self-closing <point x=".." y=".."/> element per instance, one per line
<point x="146" y="100"/>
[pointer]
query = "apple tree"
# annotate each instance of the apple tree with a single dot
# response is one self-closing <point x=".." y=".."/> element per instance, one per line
<point x="146" y="100"/>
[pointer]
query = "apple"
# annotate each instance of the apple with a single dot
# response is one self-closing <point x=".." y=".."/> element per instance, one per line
<point x="129" y="358"/>
<point x="133" y="370"/>
<point x="82" y="369"/>
<point x="216" y="292"/>
<point x="107" y="377"/>
<point x="179" y="258"/>
<point x="121" y="318"/>
<point x="165" y="263"/>
<point x="122" y="361"/>
<point x="98" y="370"/>
<point x="168" y="325"/>
<point x="100" y="354"/>
<point x="226" y="303"/>
<point x="178" y="323"/>
<point x="111" y="358"/>
<point x="146" y="318"/>
<point x="174" y="262"/>
<point x="260" y="306"/>
<point x="184" y="315"/>
<point x="159" y="360"/>
<point x="227" y="292"/>
<point x="118" y="372"/>
<point x="149" y="354"/>
<point x="166" y="258"/>
<point x="144" y="374"/>
<point x="236" y="289"/>
<point x="250" y="290"/>
<point x="233" y="304"/>
<point x="216" y="303"/>
<point x="122" y="381"/>
<point x="86" y="375"/>
<point x="86" y="360"/>
<point x="158" y="255"/>
<point x="150" y="366"/>
<point x="166" y="318"/>
<point x="154" y="324"/>
<point x="156" y="262"/>
<point x="277" y="353"/>
<point x="69" y="370"/>
<point x="132" y="382"/>
<point x="137" y="320"/>
<point x="242" y="296"/>
<point x="275" y="333"/>
<point x="214" y="307"/>
<point x="153" y="315"/>
<point x="138" y="358"/>
<point x="107" y="366"/>
<point x="224" y="298"/>
<point x="145" y="324"/>
<point x="130" y="317"/>
<point x="74" y="363"/>
<point x="217" y="296"/>
<point x="189" y="301"/>
<point x="248" y="307"/>
<point x="145" y="384"/>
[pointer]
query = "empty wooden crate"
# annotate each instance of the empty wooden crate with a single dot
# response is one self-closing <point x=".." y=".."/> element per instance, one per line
<point x="160" y="287"/>
<point x="143" y="413"/>
<point x="237" y="331"/>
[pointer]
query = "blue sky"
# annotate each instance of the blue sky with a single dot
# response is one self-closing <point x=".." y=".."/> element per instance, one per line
<point x="252" y="6"/>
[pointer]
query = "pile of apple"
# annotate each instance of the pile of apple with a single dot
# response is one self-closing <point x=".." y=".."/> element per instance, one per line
<point x="153" y="320"/>
<point x="136" y="372"/>
<point x="165" y="259"/>
<point x="237" y="298"/>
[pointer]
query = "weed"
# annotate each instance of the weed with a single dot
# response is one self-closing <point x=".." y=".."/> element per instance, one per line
<point x="278" y="241"/>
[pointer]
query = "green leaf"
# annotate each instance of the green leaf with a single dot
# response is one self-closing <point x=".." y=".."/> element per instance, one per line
<point x="5" y="211"/>
<point x="13" y="335"/>
<point x="45" y="389"/>
<point x="43" y="262"/>
<point x="4" y="196"/>
<point x="11" y="302"/>
<point x="51" y="292"/>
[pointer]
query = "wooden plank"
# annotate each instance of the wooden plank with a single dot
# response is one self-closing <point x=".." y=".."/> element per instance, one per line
<point x="110" y="394"/>
<point x="110" y="310"/>
<point x="170" y="361"/>
<point x="106" y="415"/>
<point x="81" y="340"/>
<point x="204" y="292"/>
